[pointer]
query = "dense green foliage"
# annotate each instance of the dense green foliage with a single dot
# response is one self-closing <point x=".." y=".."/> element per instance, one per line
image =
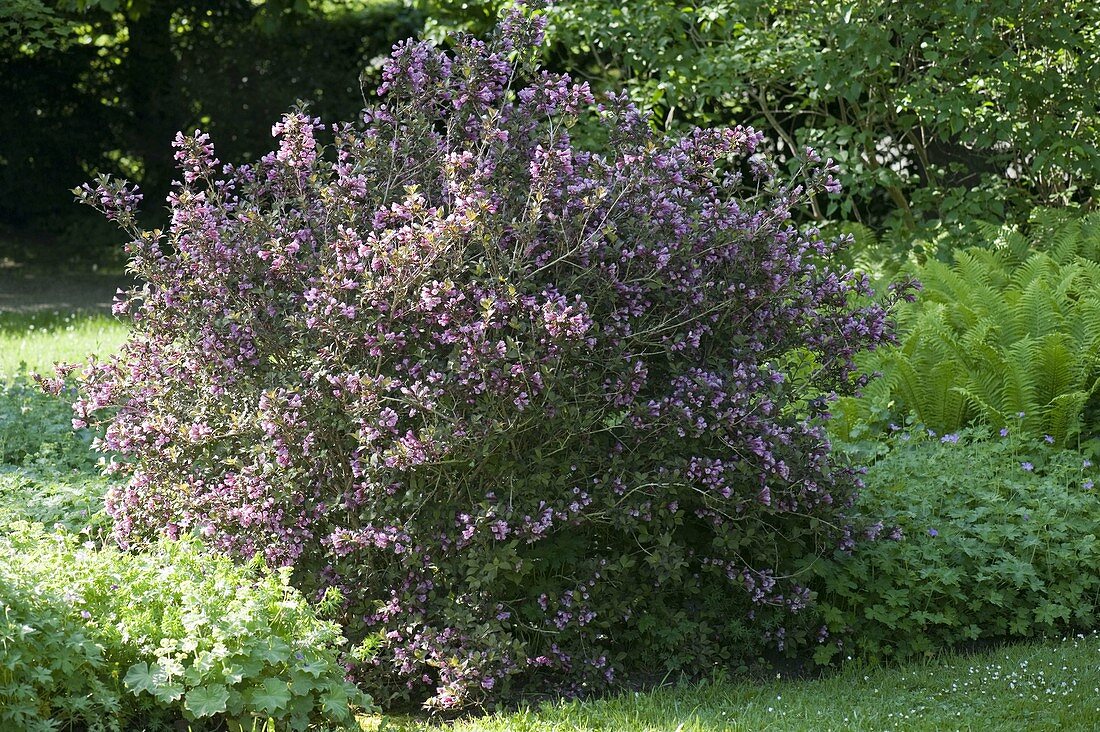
<point x="48" y="474"/>
<point x="109" y="640"/>
<point x="997" y="540"/>
<point x="935" y="111"/>
<point x="1008" y="335"/>
<point x="944" y="113"/>
<point x="52" y="669"/>
<point x="36" y="430"/>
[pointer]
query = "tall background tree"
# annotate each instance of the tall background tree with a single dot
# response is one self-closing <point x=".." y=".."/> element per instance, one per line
<point x="103" y="85"/>
<point x="938" y="113"/>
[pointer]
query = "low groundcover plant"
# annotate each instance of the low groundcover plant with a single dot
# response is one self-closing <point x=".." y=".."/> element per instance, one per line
<point x="112" y="640"/>
<point x="995" y="539"/>
<point x="538" y="412"/>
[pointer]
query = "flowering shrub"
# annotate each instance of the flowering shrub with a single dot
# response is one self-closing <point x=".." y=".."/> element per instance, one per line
<point x="538" y="412"/>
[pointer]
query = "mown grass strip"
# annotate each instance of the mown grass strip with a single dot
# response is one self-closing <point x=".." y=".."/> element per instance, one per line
<point x="1053" y="685"/>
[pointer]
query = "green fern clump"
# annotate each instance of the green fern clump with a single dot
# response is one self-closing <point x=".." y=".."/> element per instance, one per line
<point x="1007" y="334"/>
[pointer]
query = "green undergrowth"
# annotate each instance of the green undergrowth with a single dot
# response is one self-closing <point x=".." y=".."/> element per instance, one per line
<point x="36" y="430"/>
<point x="970" y="537"/>
<point x="48" y="473"/>
<point x="166" y="638"/>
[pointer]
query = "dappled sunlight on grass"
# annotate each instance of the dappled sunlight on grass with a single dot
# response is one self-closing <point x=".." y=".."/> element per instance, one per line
<point x="40" y="339"/>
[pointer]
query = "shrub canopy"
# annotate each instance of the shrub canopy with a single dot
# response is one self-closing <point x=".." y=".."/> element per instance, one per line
<point x="537" y="411"/>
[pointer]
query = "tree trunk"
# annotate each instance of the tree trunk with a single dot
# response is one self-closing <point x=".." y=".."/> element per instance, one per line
<point x="157" y="112"/>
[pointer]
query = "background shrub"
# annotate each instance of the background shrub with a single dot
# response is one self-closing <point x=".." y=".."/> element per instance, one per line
<point x="945" y="112"/>
<point x="98" y="86"/>
<point x="541" y="413"/>
<point x="979" y="538"/>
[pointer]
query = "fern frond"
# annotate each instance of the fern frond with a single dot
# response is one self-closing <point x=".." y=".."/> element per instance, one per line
<point x="1036" y="312"/>
<point x="1007" y="328"/>
<point x="1064" y="242"/>
<point x="1062" y="416"/>
<point x="983" y="395"/>
<point x="945" y="409"/>
<point x="1019" y="386"/>
<point x="1036" y="267"/>
<point x="1044" y="223"/>
<point x="1090" y="237"/>
<point x="1052" y="367"/>
<point x="1083" y="325"/>
<point x="910" y="386"/>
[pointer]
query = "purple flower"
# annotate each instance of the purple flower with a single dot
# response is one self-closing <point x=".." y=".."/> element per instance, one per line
<point x="1087" y="485"/>
<point x="952" y="438"/>
<point x="1049" y="439"/>
<point x="1027" y="466"/>
<point x="1004" y="432"/>
<point x="933" y="532"/>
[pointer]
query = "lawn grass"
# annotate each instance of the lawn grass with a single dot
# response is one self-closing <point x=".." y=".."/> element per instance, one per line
<point x="40" y="339"/>
<point x="1053" y="685"/>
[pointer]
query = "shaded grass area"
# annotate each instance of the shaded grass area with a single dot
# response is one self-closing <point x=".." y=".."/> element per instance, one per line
<point x="30" y="289"/>
<point x="36" y="340"/>
<point x="1054" y="685"/>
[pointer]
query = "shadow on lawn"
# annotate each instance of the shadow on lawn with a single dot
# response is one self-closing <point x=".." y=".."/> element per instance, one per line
<point x="36" y="290"/>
